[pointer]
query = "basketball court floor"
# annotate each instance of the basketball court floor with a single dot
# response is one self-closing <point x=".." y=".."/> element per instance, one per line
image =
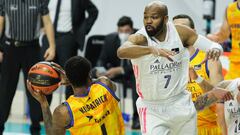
<point x="18" y="122"/>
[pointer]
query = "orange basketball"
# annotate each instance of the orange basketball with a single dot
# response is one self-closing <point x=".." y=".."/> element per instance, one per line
<point x="44" y="77"/>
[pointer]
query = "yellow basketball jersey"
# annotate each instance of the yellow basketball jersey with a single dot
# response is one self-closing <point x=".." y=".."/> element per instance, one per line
<point x="233" y="18"/>
<point x="207" y="117"/>
<point x="96" y="113"/>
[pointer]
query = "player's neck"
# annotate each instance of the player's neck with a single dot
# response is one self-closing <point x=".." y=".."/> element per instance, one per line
<point x="192" y="50"/>
<point x="81" y="91"/>
<point x="161" y="35"/>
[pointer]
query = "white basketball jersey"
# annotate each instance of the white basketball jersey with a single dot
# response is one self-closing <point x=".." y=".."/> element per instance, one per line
<point x="158" y="78"/>
<point x="232" y="110"/>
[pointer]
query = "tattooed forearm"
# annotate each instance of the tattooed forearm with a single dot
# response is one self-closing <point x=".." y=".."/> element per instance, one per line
<point x="204" y="101"/>
<point x="206" y="86"/>
<point x="47" y="117"/>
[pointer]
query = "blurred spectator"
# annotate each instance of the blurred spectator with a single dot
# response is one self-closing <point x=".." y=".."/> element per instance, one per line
<point x="71" y="26"/>
<point x="116" y="69"/>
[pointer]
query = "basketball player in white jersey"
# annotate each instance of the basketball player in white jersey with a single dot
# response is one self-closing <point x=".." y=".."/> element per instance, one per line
<point x="232" y="107"/>
<point x="160" y="60"/>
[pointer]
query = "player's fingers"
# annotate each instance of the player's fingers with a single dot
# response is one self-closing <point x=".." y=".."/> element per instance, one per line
<point x="171" y="53"/>
<point x="228" y="96"/>
<point x="29" y="85"/>
<point x="209" y="54"/>
<point x="169" y="58"/>
<point x="57" y="67"/>
<point x="167" y="54"/>
<point x="214" y="54"/>
<point x="45" y="55"/>
<point x="218" y="54"/>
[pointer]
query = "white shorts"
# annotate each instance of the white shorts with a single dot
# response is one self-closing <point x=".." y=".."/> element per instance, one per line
<point x="175" y="116"/>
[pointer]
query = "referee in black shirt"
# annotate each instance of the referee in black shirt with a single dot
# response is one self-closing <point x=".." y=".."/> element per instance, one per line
<point x="21" y="21"/>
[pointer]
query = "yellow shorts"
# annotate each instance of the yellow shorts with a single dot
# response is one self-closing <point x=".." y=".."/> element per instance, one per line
<point x="233" y="71"/>
<point x="209" y="131"/>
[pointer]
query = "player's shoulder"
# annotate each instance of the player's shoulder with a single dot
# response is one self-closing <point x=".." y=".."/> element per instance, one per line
<point x="182" y="29"/>
<point x="61" y="110"/>
<point x="62" y="115"/>
<point x="185" y="33"/>
<point x="138" y="39"/>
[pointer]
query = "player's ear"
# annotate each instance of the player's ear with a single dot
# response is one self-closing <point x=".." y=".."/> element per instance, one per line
<point x="165" y="19"/>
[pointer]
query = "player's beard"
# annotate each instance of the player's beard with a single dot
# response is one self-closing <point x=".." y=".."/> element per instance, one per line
<point x="156" y="30"/>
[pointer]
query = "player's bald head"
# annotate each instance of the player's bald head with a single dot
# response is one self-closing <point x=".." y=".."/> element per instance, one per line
<point x="157" y="6"/>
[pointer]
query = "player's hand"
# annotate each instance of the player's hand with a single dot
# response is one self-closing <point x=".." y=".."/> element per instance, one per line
<point x="222" y="94"/>
<point x="113" y="72"/>
<point x="59" y="69"/>
<point x="49" y="54"/>
<point x="214" y="54"/>
<point x="192" y="74"/>
<point x="162" y="52"/>
<point x="212" y="37"/>
<point x="37" y="94"/>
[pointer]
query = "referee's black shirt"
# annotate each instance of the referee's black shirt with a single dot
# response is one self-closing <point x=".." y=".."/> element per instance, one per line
<point x="23" y="18"/>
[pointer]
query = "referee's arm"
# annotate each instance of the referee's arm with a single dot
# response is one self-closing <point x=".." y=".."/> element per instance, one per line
<point x="48" y="27"/>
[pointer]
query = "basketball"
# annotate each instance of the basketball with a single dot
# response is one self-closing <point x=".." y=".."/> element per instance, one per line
<point x="44" y="77"/>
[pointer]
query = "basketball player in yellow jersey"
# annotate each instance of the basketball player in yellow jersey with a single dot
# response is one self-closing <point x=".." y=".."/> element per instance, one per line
<point x="92" y="110"/>
<point x="231" y="24"/>
<point x="210" y="71"/>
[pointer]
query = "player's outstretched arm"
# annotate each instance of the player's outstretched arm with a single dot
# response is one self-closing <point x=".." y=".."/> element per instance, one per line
<point x="190" y="38"/>
<point x="211" y="97"/>
<point x="136" y="46"/>
<point x="57" y="124"/>
<point x="223" y="33"/>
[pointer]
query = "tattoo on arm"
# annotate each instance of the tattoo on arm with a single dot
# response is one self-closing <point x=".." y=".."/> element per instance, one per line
<point x="204" y="101"/>
<point x="206" y="86"/>
<point x="47" y="117"/>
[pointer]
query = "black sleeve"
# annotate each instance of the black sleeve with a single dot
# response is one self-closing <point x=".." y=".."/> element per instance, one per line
<point x="92" y="15"/>
<point x="127" y="67"/>
<point x="103" y="55"/>
<point x="44" y="7"/>
<point x="2" y="9"/>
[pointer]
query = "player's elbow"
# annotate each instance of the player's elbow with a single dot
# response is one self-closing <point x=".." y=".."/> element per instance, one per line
<point x="121" y="53"/>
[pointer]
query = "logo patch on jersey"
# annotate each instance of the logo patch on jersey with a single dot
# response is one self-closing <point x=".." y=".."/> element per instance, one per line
<point x="158" y="67"/>
<point x="157" y="61"/>
<point x="233" y="108"/>
<point x="197" y="67"/>
<point x="176" y="50"/>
